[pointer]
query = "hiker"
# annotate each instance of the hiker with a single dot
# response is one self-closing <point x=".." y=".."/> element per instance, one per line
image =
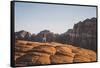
<point x="44" y="38"/>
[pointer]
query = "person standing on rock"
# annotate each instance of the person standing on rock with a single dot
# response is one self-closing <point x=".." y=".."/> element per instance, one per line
<point x="44" y="38"/>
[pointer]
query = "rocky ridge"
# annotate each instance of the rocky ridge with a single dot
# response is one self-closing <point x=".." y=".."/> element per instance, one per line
<point x="35" y="53"/>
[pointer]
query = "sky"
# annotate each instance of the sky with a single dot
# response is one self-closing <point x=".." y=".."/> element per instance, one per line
<point x="35" y="17"/>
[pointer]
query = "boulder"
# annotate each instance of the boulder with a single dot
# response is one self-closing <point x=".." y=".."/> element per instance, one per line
<point x="45" y="49"/>
<point x="43" y="59"/>
<point x="63" y="50"/>
<point x="33" y="59"/>
<point x="56" y="59"/>
<point x="85" y="55"/>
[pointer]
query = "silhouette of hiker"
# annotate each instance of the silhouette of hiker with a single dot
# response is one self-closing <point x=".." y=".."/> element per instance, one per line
<point x="44" y="38"/>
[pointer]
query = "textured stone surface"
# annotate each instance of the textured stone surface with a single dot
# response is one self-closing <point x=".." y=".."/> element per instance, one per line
<point x="45" y="49"/>
<point x="55" y="59"/>
<point x="35" y="53"/>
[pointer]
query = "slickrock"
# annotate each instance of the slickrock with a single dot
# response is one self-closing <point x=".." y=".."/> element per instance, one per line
<point x="35" y="53"/>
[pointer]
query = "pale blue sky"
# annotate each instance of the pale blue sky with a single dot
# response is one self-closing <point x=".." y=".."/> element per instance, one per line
<point x="35" y="17"/>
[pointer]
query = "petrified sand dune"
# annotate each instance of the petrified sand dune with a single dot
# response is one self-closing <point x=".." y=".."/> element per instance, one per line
<point x="85" y="55"/>
<point x="34" y="53"/>
<point x="44" y="49"/>
<point x="55" y="59"/>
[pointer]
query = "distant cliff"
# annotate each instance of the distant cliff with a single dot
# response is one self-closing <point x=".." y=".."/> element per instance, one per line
<point x="22" y="35"/>
<point x="83" y="34"/>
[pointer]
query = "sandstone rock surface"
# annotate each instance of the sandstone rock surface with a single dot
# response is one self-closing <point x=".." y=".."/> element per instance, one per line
<point x="35" y="53"/>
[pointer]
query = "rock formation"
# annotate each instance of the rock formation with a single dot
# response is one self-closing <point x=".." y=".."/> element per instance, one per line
<point x="22" y="35"/>
<point x="35" y="53"/>
<point x="83" y="34"/>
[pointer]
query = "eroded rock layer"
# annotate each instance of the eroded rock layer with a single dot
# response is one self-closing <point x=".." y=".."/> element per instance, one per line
<point x="35" y="53"/>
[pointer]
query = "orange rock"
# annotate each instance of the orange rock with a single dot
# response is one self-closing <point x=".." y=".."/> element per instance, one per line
<point x="85" y="55"/>
<point x="56" y="59"/>
<point x="43" y="59"/>
<point x="45" y="49"/>
<point x="63" y="50"/>
<point x="81" y="59"/>
<point x="34" y="53"/>
<point x="21" y="42"/>
<point x="24" y="60"/>
<point x="30" y="59"/>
